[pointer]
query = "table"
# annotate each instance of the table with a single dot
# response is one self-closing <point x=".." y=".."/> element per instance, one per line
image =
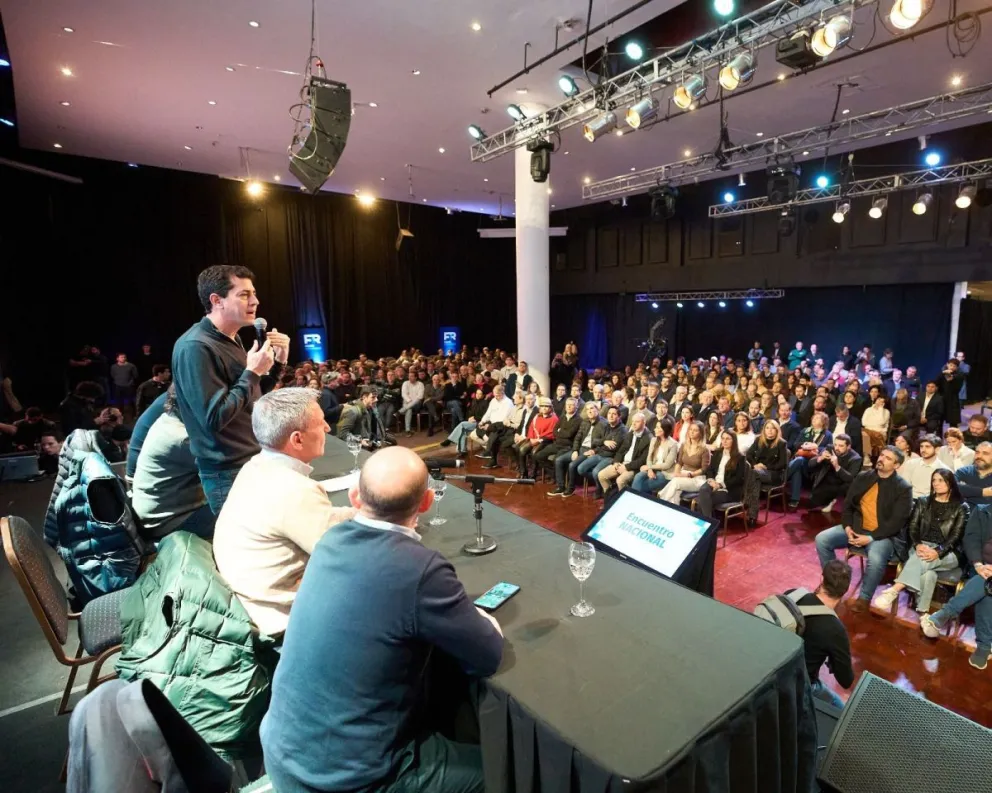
<point x="663" y="689"/>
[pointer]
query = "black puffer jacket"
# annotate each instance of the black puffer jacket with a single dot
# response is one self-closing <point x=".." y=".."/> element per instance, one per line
<point x="952" y="525"/>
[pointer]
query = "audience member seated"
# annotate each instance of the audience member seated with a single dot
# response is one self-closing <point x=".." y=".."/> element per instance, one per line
<point x="843" y="423"/>
<point x="977" y="545"/>
<point x="502" y="436"/>
<point x="833" y="470"/>
<point x="690" y="466"/>
<point x="360" y="418"/>
<point x="769" y="455"/>
<point x="540" y="432"/>
<point x="955" y="453"/>
<point x="876" y="508"/>
<point x="724" y="476"/>
<point x="275" y="513"/>
<point x="26" y="433"/>
<point x="606" y="450"/>
<point x="518" y="379"/>
<point x="460" y="434"/>
<point x="975" y="480"/>
<point x="412" y="393"/>
<point x="328" y="399"/>
<point x="825" y="638"/>
<point x="918" y="469"/>
<point x="810" y="443"/>
<point x="936" y="528"/>
<point x="931" y="408"/>
<point x="712" y="430"/>
<point x="743" y="432"/>
<point x="787" y="423"/>
<point x="561" y="446"/>
<point x="629" y="457"/>
<point x="875" y="421"/>
<point x="48" y="452"/>
<point x="355" y="665"/>
<point x="660" y="462"/>
<point x="166" y="493"/>
<point x="576" y="463"/>
<point x="905" y="413"/>
<point x="152" y="389"/>
<point x="977" y="432"/>
<point x="558" y="401"/>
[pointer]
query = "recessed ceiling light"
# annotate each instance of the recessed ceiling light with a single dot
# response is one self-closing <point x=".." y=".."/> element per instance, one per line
<point x="586" y="180"/>
<point x="66" y="71"/>
<point x="373" y="104"/>
<point x="619" y="133"/>
<point x="476" y="27"/>
<point x="132" y="165"/>
<point x="781" y="76"/>
<point x="549" y="191"/>
<point x="633" y="168"/>
<point x="277" y="178"/>
<point x="68" y="30"/>
<point x="521" y="90"/>
<point x="805" y="153"/>
<point x="552" y="206"/>
<point x="760" y="134"/>
<point x="415" y="72"/>
<point x="188" y="148"/>
<point x="64" y="104"/>
<point x="382" y="178"/>
<point x="956" y="80"/>
<point x="485" y="179"/>
<point x="229" y="68"/>
<point x="845" y="111"/>
<point x="211" y="102"/>
<point x="687" y="153"/>
<point x="566" y="152"/>
<point x="57" y="145"/>
<point x="441" y="150"/>
<point x="253" y="23"/>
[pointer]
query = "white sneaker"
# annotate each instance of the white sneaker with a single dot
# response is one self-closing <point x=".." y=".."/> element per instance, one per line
<point x="886" y="599"/>
<point x="929" y="629"/>
<point x="829" y="507"/>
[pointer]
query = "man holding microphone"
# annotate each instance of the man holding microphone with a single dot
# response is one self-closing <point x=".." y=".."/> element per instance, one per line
<point x="217" y="381"/>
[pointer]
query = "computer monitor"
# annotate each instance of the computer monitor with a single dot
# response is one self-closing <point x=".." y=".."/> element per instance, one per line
<point x="650" y="533"/>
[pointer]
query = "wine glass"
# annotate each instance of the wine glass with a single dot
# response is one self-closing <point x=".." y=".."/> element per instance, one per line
<point x="354" y="446"/>
<point x="581" y="561"/>
<point x="438" y="486"/>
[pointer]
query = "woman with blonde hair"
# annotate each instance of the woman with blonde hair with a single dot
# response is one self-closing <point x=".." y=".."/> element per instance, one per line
<point x="954" y="454"/>
<point x="690" y="465"/>
<point x="875" y="422"/>
<point x="768" y="457"/>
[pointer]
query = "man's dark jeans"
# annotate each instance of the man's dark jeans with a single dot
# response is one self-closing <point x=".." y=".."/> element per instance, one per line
<point x="217" y="485"/>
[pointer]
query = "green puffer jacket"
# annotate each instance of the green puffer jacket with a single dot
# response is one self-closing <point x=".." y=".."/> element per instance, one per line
<point x="187" y="632"/>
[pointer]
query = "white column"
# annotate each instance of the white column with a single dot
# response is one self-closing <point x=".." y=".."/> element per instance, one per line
<point x="533" y="253"/>
<point x="960" y="293"/>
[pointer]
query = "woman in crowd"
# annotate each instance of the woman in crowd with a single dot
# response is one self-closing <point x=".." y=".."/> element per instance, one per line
<point x="936" y="528"/>
<point x="954" y="454"/>
<point x="688" y="417"/>
<point x="769" y="457"/>
<point x="768" y="405"/>
<point x="693" y="457"/>
<point x="724" y="476"/>
<point x="905" y="443"/>
<point x="859" y="403"/>
<point x="711" y="435"/>
<point x="662" y="456"/>
<point x="905" y="413"/>
<point x="875" y="421"/>
<point x="744" y="432"/>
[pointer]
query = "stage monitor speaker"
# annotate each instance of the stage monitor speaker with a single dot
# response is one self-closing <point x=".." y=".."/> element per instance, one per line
<point x="330" y="120"/>
<point x="891" y="741"/>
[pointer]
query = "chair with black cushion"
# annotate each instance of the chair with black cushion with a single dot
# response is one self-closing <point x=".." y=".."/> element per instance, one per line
<point x="727" y="510"/>
<point x="98" y="625"/>
<point x="777" y="491"/>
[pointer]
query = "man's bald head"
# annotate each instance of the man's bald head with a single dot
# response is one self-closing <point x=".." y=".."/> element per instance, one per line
<point x="393" y="486"/>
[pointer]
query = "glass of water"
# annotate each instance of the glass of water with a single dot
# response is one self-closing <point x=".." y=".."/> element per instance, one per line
<point x="354" y="446"/>
<point x="581" y="561"/>
<point x="438" y="486"/>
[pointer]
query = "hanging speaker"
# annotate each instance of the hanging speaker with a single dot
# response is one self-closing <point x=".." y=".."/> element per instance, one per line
<point x="330" y="120"/>
<point x="890" y="741"/>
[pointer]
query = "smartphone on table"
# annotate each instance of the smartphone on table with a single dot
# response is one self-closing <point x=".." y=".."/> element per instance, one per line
<point x="496" y="596"/>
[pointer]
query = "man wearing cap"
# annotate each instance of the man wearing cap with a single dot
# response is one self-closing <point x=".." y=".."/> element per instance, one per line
<point x="540" y="433"/>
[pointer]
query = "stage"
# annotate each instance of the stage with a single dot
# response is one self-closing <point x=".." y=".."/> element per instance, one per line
<point x="661" y="688"/>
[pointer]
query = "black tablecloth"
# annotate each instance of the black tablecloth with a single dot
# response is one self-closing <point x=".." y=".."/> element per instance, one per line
<point x="662" y="689"/>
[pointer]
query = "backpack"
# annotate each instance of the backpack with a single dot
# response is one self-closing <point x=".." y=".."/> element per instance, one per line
<point x="785" y="611"/>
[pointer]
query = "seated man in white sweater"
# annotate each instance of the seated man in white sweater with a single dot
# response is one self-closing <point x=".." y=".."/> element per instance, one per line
<point x="275" y="513"/>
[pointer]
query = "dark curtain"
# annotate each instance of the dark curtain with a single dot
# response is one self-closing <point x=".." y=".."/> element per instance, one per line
<point x="975" y="341"/>
<point x="914" y="320"/>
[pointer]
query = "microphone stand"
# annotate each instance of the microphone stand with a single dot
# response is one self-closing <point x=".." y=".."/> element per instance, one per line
<point x="482" y="543"/>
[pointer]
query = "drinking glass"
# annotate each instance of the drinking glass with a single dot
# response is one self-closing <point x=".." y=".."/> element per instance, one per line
<point x="581" y="561"/>
<point x="438" y="486"/>
<point x="354" y="446"/>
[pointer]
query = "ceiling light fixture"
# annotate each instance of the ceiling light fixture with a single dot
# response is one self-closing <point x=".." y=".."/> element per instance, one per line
<point x="599" y="126"/>
<point x="253" y="23"/>
<point x="956" y="80"/>
<point x="740" y="180"/>
<point x="840" y="213"/>
<point x="835" y="33"/>
<point x="415" y="72"/>
<point x="634" y="51"/>
<point x="690" y="91"/>
<point x="277" y="178"/>
<point x="586" y="180"/>
<point x="254" y="188"/>
<point x="229" y="68"/>
<point x="760" y="134"/>
<point x="188" y="148"/>
<point x="440" y="150"/>
<point x="64" y="104"/>
<point x="521" y="90"/>
<point x="906" y="13"/>
<point x="57" y="145"/>
<point x="723" y="7"/>
<point x="932" y="159"/>
<point x="211" y="102"/>
<point x="69" y="30"/>
<point x="619" y="133"/>
<point x="728" y="197"/>
<point x="922" y="204"/>
<point x="687" y="153"/>
<point x="845" y="111"/>
<point x="641" y="111"/>
<point x="738" y="72"/>
<point x="822" y="181"/>
<point x="567" y="85"/>
<point x="781" y="76"/>
<point x="476" y="27"/>
<point x="965" y="197"/>
<point x="373" y="104"/>
<point x="66" y="71"/>
<point x="878" y="207"/>
<point x="516" y="112"/>
<point x="476" y="131"/>
<point x="366" y="199"/>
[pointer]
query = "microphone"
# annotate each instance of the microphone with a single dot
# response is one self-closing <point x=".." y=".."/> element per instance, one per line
<point x="260" y="327"/>
<point x="435" y="464"/>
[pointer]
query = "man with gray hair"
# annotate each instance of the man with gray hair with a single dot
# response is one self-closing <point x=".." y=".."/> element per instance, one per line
<point x="328" y="398"/>
<point x="275" y="513"/>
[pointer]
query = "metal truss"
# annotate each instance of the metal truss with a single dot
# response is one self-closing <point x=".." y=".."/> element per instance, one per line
<point x="949" y="174"/>
<point x="730" y="294"/>
<point x="933" y="110"/>
<point x="761" y="28"/>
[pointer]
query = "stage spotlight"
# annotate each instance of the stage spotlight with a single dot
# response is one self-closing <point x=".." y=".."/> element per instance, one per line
<point x="906" y="13"/>
<point x="516" y="113"/>
<point x="787" y="223"/>
<point x="254" y="188"/>
<point x="795" y="52"/>
<point x="749" y="303"/>
<point x="678" y="305"/>
<point x="598" y="127"/>
<point x="723" y="7"/>
<point x="841" y="212"/>
<point x="701" y="304"/>
<point x="690" y="91"/>
<point x="738" y="72"/>
<point x="654" y="306"/>
<point x="878" y="207"/>
<point x="540" y="160"/>
<point x="366" y="199"/>
<point x="922" y="204"/>
<point x="634" y="51"/>
<point x="783" y="183"/>
<point x="728" y="197"/>
<point x="663" y="203"/>
<point x="835" y="33"/>
<point x="966" y="196"/>
<point x="722" y="304"/>
<point x="641" y="111"/>
<point x="476" y="132"/>
<point x="823" y="181"/>
<point x="932" y="159"/>
<point x="567" y="85"/>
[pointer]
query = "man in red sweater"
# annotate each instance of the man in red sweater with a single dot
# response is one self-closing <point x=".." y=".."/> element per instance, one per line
<point x="540" y="433"/>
